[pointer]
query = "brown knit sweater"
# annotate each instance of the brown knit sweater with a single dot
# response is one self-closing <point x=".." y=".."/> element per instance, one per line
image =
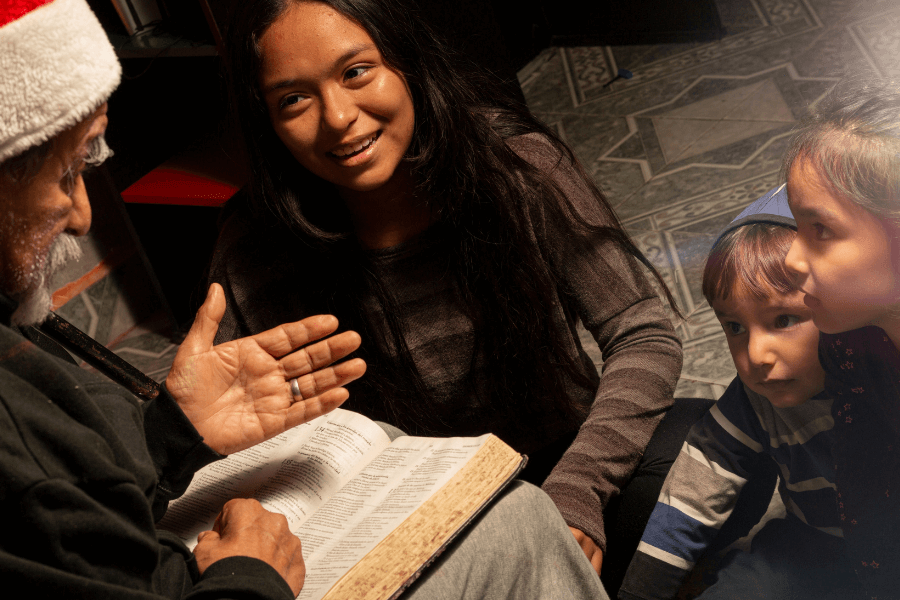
<point x="608" y="293"/>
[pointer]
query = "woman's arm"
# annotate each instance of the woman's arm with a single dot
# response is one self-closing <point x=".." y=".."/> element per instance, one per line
<point x="608" y="291"/>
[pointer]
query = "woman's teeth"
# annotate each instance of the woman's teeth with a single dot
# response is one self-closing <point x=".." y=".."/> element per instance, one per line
<point x="354" y="148"/>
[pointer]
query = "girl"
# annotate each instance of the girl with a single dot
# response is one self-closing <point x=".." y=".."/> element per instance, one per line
<point x="843" y="171"/>
<point x="457" y="234"/>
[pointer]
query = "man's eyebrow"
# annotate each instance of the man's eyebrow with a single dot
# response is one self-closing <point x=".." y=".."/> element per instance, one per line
<point x="290" y="82"/>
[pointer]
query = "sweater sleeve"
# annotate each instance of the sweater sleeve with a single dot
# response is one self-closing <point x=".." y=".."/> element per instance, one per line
<point x="698" y="495"/>
<point x="175" y="447"/>
<point x="608" y="291"/>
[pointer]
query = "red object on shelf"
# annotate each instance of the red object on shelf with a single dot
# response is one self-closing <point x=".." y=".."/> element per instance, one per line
<point x="165" y="185"/>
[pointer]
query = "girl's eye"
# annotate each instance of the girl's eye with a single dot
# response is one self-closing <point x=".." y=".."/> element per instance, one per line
<point x="785" y="321"/>
<point x="733" y="328"/>
<point x="355" y="72"/>
<point x="289" y="100"/>
<point x="822" y="232"/>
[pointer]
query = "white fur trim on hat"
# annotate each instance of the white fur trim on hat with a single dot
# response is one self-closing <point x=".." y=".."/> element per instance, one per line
<point x="56" y="67"/>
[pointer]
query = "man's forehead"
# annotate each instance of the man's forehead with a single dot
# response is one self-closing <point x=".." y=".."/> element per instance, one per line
<point x="76" y="140"/>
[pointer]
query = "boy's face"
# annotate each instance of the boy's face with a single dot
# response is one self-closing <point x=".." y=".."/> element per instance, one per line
<point x="774" y="344"/>
<point x="841" y="255"/>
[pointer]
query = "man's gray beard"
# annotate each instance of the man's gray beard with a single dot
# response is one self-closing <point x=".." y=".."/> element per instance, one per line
<point x="35" y="307"/>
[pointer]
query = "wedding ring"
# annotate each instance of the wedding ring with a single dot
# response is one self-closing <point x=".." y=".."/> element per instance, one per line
<point x="295" y="389"/>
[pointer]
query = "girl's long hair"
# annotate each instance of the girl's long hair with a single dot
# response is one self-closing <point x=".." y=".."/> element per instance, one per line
<point x="486" y="201"/>
<point x="852" y="138"/>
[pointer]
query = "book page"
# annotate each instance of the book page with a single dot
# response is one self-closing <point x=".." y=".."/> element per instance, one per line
<point x="374" y="503"/>
<point x="292" y="474"/>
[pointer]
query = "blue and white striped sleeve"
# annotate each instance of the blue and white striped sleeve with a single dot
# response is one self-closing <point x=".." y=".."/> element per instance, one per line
<point x="697" y="497"/>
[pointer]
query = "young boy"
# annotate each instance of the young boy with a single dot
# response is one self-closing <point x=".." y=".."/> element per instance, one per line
<point x="774" y="406"/>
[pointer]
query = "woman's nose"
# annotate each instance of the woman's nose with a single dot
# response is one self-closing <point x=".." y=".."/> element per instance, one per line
<point x="339" y="110"/>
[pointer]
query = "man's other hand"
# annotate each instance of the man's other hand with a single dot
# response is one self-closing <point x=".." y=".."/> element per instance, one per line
<point x="245" y="528"/>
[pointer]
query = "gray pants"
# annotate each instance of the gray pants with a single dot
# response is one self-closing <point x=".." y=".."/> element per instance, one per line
<point x="518" y="548"/>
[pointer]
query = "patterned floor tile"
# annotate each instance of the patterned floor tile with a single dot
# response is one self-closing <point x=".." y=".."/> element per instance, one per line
<point x="709" y="362"/>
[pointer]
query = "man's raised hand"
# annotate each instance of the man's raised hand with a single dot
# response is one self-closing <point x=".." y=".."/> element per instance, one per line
<point x="239" y="393"/>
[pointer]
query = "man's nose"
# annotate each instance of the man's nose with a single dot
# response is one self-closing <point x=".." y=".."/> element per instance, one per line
<point x="80" y="216"/>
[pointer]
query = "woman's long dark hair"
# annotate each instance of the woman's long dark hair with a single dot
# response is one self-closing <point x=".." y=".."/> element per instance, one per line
<point x="486" y="201"/>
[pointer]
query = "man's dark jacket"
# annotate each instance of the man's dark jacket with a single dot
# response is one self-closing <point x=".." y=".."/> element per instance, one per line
<point x="85" y="471"/>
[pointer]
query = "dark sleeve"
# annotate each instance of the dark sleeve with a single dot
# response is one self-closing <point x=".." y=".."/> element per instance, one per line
<point x="241" y="577"/>
<point x="642" y="355"/>
<point x="77" y="480"/>
<point x="175" y="447"/>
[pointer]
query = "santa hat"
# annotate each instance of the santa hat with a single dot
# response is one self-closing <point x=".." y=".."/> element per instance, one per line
<point x="56" y="67"/>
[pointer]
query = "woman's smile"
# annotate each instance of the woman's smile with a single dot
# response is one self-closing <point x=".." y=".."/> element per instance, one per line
<point x="344" y="113"/>
<point x="345" y="153"/>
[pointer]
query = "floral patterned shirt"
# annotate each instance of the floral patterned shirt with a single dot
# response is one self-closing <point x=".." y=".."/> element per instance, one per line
<point x="863" y="376"/>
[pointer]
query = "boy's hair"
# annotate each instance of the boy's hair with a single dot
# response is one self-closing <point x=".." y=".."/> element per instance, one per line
<point x="751" y="256"/>
<point x="852" y="138"/>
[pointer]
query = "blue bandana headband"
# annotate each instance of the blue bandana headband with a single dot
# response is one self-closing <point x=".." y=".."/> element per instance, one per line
<point x="772" y="207"/>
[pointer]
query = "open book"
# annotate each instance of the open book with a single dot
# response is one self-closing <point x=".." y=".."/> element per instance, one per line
<point x="371" y="513"/>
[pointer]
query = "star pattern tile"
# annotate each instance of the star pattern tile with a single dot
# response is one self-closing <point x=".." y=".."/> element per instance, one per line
<point x="699" y="131"/>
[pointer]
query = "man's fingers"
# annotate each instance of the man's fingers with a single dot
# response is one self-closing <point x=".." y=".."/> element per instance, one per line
<point x="319" y="355"/>
<point x="203" y="330"/>
<point x="306" y="410"/>
<point x="322" y="380"/>
<point x="286" y="338"/>
<point x="212" y="535"/>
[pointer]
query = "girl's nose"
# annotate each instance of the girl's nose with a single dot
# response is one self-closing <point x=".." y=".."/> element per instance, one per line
<point x="794" y="260"/>
<point x="339" y="110"/>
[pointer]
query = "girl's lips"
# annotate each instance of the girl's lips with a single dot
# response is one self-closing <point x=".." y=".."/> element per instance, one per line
<point x="366" y="145"/>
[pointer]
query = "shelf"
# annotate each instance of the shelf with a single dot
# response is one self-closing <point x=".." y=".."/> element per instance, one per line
<point x="152" y="43"/>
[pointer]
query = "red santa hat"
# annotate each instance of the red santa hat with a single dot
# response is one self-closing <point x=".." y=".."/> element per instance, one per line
<point x="56" y="67"/>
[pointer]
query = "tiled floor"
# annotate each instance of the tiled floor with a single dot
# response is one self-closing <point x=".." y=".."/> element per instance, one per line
<point x="680" y="148"/>
<point x="698" y="132"/>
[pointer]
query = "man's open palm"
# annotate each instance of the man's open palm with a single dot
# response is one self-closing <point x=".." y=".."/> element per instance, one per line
<point x="238" y="394"/>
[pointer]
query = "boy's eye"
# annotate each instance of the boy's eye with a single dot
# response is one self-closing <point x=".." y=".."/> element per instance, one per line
<point x="785" y="321"/>
<point x="733" y="328"/>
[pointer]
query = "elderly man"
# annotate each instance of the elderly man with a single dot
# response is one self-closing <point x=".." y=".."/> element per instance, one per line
<point x="85" y="471"/>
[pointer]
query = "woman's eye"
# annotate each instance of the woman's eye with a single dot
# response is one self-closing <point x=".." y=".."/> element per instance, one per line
<point x="785" y="321"/>
<point x="290" y="100"/>
<point x="733" y="328"/>
<point x="355" y="72"/>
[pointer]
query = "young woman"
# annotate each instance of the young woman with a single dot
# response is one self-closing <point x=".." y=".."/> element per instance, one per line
<point x="843" y="171"/>
<point x="455" y="233"/>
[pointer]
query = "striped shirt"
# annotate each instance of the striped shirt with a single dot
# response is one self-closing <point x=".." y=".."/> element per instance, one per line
<point x="714" y="464"/>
